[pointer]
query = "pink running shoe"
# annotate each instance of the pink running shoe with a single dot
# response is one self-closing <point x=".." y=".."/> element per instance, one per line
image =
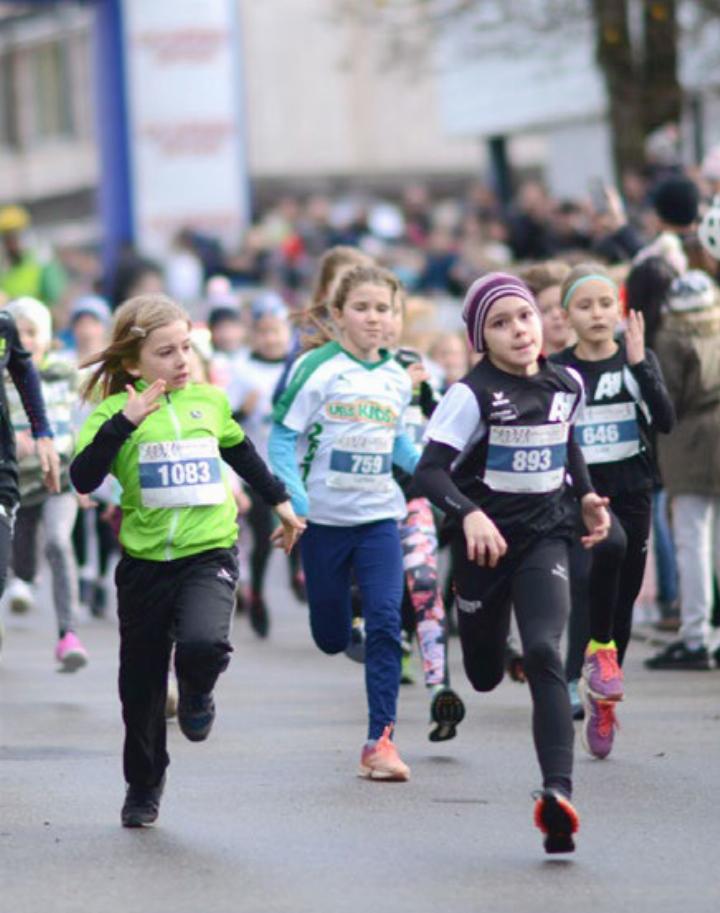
<point x="603" y="675"/>
<point x="70" y="653"/>
<point x="381" y="761"/>
<point x="598" y="730"/>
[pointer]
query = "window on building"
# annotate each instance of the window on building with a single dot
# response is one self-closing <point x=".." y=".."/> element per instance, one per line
<point x="9" y="130"/>
<point x="50" y="74"/>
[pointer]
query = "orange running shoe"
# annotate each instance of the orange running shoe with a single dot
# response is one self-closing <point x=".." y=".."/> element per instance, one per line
<point x="557" y="819"/>
<point x="381" y="761"/>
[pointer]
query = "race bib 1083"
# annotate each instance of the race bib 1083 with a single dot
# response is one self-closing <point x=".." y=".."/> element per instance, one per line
<point x="181" y="473"/>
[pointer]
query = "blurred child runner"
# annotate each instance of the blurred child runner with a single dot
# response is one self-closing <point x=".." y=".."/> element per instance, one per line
<point x="94" y="540"/>
<point x="19" y="365"/>
<point x="314" y="323"/>
<point x="418" y="536"/>
<point x="163" y="438"/>
<point x="341" y="418"/>
<point x="545" y="282"/>
<point x="250" y="393"/>
<point x="54" y="512"/>
<point x="500" y="445"/>
<point x="625" y="398"/>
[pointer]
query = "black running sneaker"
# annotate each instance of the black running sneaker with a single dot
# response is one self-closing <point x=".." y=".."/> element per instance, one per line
<point x="142" y="804"/>
<point x="557" y="819"/>
<point x="447" y="711"/>
<point x="195" y="714"/>
<point x="678" y="655"/>
<point x="259" y="617"/>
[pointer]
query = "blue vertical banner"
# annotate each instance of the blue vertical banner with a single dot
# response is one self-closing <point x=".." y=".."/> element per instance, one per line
<point x="115" y="202"/>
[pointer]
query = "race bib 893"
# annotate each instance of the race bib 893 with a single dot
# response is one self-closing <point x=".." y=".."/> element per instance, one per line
<point x="526" y="459"/>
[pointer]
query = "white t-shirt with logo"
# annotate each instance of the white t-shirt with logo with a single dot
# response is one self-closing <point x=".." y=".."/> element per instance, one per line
<point x="348" y="413"/>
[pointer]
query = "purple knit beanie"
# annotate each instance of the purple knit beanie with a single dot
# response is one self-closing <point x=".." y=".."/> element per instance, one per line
<point x="481" y="296"/>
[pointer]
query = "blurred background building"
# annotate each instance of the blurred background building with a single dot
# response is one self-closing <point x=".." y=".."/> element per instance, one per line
<point x="239" y="101"/>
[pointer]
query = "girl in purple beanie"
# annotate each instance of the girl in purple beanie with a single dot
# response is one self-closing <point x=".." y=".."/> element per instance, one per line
<point x="499" y="450"/>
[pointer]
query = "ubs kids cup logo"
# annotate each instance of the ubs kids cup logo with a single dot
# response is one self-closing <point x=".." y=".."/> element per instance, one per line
<point x="361" y="410"/>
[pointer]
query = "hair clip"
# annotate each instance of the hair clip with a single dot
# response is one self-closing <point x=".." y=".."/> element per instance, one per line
<point x="138" y="331"/>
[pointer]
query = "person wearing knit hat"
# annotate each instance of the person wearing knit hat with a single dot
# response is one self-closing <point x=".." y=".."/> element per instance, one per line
<point x="90" y="318"/>
<point x="36" y="314"/>
<point x="687" y="344"/>
<point x="481" y="296"/>
<point x="499" y="448"/>
<point x="676" y="201"/>
<point x="92" y="305"/>
<point x="55" y="512"/>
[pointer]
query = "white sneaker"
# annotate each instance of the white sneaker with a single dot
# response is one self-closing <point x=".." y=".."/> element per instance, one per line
<point x="20" y="596"/>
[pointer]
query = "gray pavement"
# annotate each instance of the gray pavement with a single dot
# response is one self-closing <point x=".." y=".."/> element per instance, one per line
<point x="269" y="816"/>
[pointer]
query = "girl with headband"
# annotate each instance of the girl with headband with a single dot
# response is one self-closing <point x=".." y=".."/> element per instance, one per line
<point x="625" y="399"/>
<point x="500" y="445"/>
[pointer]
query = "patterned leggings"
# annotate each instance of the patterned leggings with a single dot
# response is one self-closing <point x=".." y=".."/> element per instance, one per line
<point x="419" y="545"/>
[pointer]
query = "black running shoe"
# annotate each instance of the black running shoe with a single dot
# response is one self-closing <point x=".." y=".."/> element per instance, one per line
<point x="195" y="714"/>
<point x="142" y="805"/>
<point x="557" y="819"/>
<point x="259" y="617"/>
<point x="447" y="711"/>
<point x="297" y="585"/>
<point x="98" y="606"/>
<point x="678" y="656"/>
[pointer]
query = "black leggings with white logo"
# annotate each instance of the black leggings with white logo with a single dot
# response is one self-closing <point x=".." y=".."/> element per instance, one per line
<point x="536" y="586"/>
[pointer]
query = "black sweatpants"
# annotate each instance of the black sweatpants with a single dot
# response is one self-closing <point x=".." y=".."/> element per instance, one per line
<point x="537" y="588"/>
<point x="606" y="580"/>
<point x="189" y="601"/>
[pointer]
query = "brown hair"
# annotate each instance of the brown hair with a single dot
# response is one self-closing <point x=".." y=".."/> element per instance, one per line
<point x="316" y="317"/>
<point x="580" y="272"/>
<point x="133" y="322"/>
<point x="541" y="276"/>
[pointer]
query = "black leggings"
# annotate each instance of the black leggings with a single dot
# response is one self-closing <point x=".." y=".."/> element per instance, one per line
<point x="538" y="590"/>
<point x="260" y="521"/>
<point x="606" y="580"/>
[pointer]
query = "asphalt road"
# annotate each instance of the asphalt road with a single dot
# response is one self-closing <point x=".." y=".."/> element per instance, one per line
<point x="268" y="815"/>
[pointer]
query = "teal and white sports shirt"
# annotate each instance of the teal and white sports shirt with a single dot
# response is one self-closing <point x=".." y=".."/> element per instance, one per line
<point x="347" y="413"/>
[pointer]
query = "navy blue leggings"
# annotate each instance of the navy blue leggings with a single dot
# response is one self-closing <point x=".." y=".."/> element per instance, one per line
<point x="373" y="554"/>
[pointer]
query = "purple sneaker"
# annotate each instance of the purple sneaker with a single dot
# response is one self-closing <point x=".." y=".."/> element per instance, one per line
<point x="598" y="731"/>
<point x="603" y="675"/>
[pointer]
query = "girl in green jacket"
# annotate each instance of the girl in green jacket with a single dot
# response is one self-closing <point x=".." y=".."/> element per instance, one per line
<point x="164" y="439"/>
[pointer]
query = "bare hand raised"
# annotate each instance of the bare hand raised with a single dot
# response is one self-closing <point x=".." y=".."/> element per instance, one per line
<point x="140" y="405"/>
<point x="635" y="337"/>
